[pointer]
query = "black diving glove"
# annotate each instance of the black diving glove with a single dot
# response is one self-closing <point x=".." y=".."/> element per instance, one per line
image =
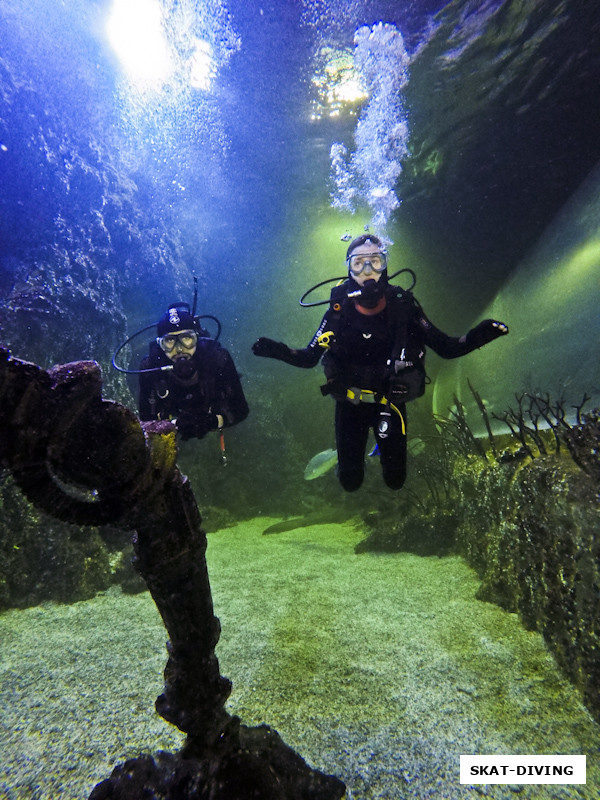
<point x="269" y="348"/>
<point x="486" y="332"/>
<point x="192" y="426"/>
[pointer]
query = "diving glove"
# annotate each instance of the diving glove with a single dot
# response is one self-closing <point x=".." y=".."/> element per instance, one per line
<point x="485" y="332"/>
<point x="196" y="425"/>
<point x="269" y="348"/>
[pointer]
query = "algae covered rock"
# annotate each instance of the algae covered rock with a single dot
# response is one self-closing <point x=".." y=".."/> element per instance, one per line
<point x="44" y="559"/>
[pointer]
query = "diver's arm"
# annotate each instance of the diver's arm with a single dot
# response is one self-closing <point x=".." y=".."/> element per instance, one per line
<point x="454" y="347"/>
<point x="306" y="357"/>
<point x="233" y="407"/>
<point x="145" y="408"/>
<point x="147" y="411"/>
<point x="268" y="348"/>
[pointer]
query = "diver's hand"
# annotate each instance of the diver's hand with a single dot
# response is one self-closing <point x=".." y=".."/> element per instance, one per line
<point x="485" y="332"/>
<point x="190" y="426"/>
<point x="269" y="348"/>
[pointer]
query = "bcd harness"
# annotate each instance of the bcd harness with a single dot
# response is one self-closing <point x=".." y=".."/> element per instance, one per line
<point x="405" y="367"/>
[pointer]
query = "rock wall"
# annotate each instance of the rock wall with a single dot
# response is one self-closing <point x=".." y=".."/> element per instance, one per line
<point x="44" y="559"/>
<point x="532" y="535"/>
<point x="85" y="242"/>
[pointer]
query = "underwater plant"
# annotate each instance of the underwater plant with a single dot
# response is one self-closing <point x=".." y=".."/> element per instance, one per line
<point x="455" y="430"/>
<point x="537" y="420"/>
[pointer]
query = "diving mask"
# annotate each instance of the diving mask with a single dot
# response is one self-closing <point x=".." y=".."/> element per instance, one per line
<point x="185" y="340"/>
<point x="376" y="261"/>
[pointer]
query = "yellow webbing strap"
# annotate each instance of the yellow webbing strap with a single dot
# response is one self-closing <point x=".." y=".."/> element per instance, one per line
<point x="368" y="396"/>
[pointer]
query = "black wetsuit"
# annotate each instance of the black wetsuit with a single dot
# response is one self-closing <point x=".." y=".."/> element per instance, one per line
<point x="214" y="389"/>
<point x="358" y="359"/>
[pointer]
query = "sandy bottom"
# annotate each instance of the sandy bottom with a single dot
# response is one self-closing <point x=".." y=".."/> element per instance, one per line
<point x="381" y="669"/>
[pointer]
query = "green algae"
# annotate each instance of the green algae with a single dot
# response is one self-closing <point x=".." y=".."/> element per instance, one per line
<point x="526" y="521"/>
<point x="374" y="653"/>
<point x="380" y="668"/>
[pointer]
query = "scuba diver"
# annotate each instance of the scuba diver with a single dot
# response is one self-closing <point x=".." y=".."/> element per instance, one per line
<point x="373" y="340"/>
<point x="189" y="377"/>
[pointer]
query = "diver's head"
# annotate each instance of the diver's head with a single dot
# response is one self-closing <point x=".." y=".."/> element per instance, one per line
<point x="177" y="334"/>
<point x="366" y="258"/>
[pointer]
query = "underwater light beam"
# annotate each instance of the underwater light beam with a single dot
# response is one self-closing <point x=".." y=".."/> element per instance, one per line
<point x="338" y="86"/>
<point x="135" y="32"/>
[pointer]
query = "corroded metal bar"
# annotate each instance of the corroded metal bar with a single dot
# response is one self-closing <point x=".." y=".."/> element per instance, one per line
<point x="87" y="460"/>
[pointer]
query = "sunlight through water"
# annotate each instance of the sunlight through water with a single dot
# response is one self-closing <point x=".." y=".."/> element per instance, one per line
<point x="339" y="86"/>
<point x="136" y="32"/>
<point x="180" y="47"/>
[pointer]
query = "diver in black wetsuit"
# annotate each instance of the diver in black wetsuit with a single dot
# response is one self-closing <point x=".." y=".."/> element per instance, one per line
<point x="200" y="390"/>
<point x="373" y="339"/>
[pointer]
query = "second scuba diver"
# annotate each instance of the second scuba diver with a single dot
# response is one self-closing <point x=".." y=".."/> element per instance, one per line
<point x="372" y="340"/>
<point x="188" y="377"/>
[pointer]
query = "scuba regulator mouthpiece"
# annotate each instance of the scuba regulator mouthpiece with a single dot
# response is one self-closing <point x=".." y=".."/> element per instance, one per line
<point x="183" y="368"/>
<point x="367" y="295"/>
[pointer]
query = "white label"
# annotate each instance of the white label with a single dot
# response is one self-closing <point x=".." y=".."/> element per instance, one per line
<point x="522" y="769"/>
